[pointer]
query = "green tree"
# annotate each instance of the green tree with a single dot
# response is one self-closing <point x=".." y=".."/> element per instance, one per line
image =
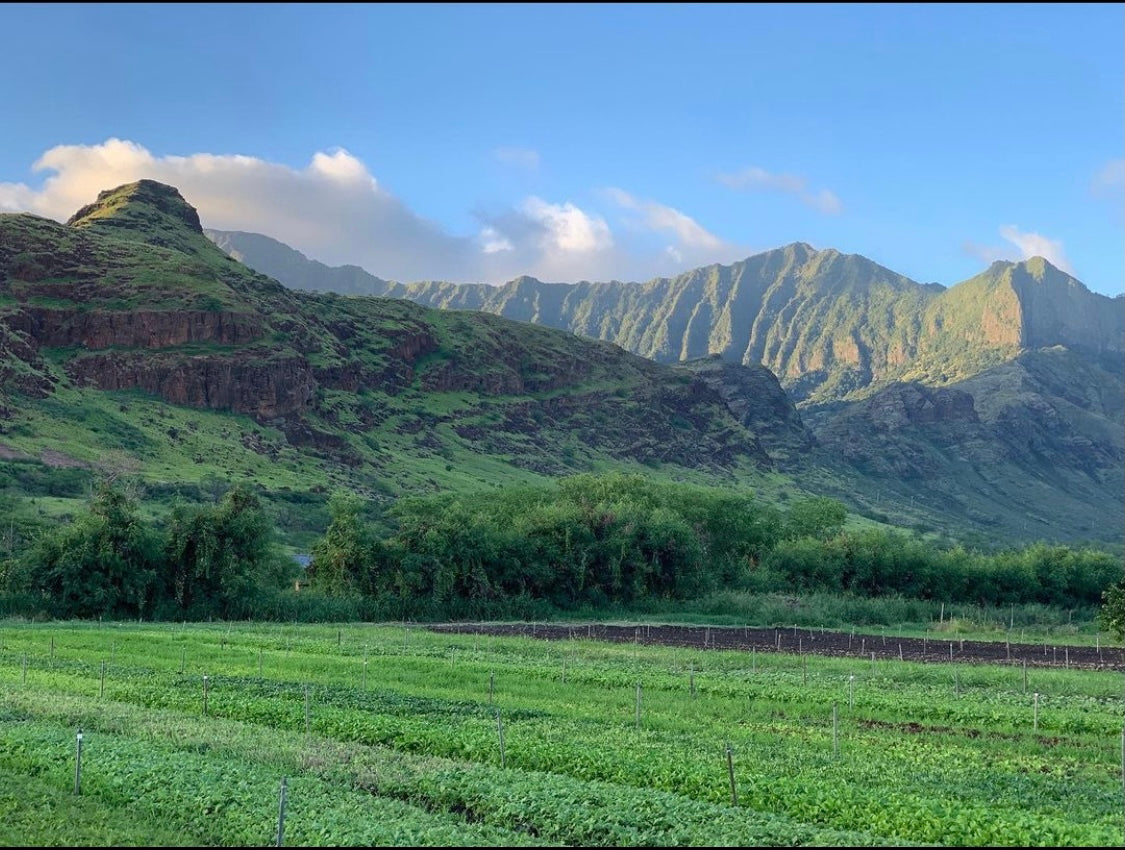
<point x="343" y="558"/>
<point x="1112" y="613"/>
<point x="814" y="517"/>
<point x="104" y="564"/>
<point x="217" y="558"/>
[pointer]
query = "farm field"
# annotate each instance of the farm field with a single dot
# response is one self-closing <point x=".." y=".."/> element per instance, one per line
<point x="403" y="735"/>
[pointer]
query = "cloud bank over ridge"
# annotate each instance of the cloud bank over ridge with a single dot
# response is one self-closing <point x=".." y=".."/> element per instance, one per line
<point x="336" y="211"/>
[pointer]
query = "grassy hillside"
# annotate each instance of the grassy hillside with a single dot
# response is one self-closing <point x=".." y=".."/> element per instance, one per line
<point x="132" y="345"/>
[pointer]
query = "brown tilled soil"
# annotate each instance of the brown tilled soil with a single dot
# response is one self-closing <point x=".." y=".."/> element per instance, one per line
<point x="814" y="641"/>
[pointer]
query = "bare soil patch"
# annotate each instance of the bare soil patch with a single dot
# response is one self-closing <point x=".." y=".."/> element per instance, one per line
<point x="816" y="642"/>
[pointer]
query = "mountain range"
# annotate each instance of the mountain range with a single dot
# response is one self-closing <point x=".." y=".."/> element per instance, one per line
<point x="997" y="403"/>
<point x="131" y="344"/>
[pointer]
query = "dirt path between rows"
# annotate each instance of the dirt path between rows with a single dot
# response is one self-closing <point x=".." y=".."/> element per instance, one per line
<point x="814" y="641"/>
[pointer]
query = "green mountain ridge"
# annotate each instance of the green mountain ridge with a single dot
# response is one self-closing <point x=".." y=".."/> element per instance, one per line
<point x="130" y="343"/>
<point x="936" y="395"/>
<point x="829" y="325"/>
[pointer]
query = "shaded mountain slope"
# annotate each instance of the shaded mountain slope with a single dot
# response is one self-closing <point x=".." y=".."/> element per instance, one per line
<point x="1035" y="444"/>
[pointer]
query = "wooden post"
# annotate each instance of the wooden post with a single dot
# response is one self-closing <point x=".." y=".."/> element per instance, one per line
<point x="951" y="651"/>
<point x="204" y="693"/>
<point x="900" y="652"/>
<point x="365" y="667"/>
<point x="851" y="692"/>
<point x="872" y="663"/>
<point x="941" y="618"/>
<point x="1035" y="722"/>
<point x="730" y="772"/>
<point x="281" y="812"/>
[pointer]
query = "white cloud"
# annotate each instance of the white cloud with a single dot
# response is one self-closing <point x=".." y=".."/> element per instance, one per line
<point x="755" y="179"/>
<point x="334" y="210"/>
<point x="566" y="228"/>
<point x="1033" y="245"/>
<point x="660" y="217"/>
<point x="1110" y="179"/>
<point x="1025" y="245"/>
<point x="519" y="157"/>
<point x="492" y="242"/>
<point x="826" y="202"/>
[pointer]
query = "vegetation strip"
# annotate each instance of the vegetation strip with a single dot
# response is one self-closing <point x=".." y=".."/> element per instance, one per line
<point x="920" y="756"/>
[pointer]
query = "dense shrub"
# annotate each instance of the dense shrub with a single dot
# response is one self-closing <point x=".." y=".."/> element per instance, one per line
<point x="586" y="542"/>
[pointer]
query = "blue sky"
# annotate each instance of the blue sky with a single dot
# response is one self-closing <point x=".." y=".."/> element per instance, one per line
<point x="596" y="141"/>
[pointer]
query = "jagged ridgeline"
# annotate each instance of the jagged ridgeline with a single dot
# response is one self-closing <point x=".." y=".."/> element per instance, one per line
<point x="996" y="405"/>
<point x="130" y="342"/>
<point x="829" y="325"/>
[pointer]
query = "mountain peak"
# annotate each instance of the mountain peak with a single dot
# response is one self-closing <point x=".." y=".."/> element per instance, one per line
<point x="1034" y="270"/>
<point x="145" y="211"/>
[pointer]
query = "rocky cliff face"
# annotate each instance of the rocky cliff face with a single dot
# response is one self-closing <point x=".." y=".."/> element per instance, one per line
<point x="755" y="398"/>
<point x="93" y="329"/>
<point x="263" y="387"/>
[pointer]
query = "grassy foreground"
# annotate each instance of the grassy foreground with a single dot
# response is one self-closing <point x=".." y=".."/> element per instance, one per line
<point x="394" y="735"/>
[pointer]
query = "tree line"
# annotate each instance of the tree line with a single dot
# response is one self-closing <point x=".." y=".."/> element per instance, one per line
<point x="585" y="541"/>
